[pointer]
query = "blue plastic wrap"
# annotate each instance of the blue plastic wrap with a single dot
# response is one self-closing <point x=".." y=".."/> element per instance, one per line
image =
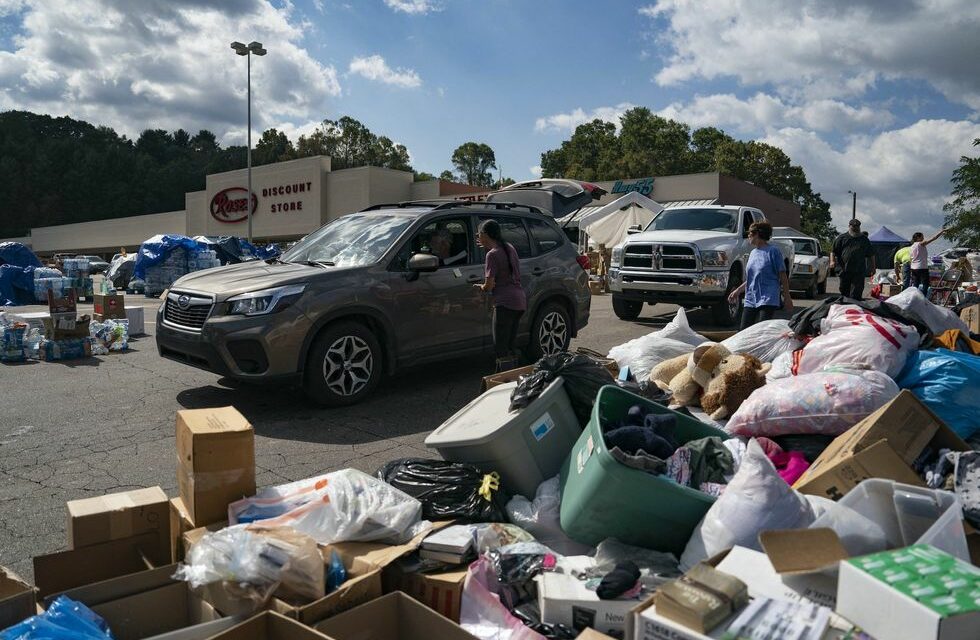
<point x="947" y="382"/>
<point x="18" y="255"/>
<point x="156" y="249"/>
<point x="65" y="619"/>
<point x="16" y="285"/>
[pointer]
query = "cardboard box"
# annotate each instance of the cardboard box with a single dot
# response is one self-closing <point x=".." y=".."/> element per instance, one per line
<point x="111" y="306"/>
<point x="17" y="599"/>
<point x="66" y="326"/>
<point x="886" y="595"/>
<point x="57" y="572"/>
<point x="62" y="305"/>
<point x="883" y="445"/>
<point x="269" y="625"/>
<point x="203" y="631"/>
<point x="136" y="317"/>
<point x="180" y="523"/>
<point x="564" y="599"/>
<point x="889" y="290"/>
<point x="646" y="624"/>
<point x="595" y="288"/>
<point x="215" y="461"/>
<point x="442" y="592"/>
<point x="365" y="562"/>
<point x="497" y="379"/>
<point x="392" y="617"/>
<point x="971" y="316"/>
<point x="592" y="634"/>
<point x="120" y="515"/>
<point x="145" y="604"/>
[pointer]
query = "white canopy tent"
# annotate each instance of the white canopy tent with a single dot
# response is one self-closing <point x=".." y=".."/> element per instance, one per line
<point x="607" y="225"/>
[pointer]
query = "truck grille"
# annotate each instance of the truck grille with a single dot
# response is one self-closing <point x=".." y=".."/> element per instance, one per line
<point x="660" y="257"/>
<point x="186" y="311"/>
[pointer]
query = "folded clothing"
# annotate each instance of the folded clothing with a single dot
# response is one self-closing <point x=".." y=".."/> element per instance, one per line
<point x="790" y="465"/>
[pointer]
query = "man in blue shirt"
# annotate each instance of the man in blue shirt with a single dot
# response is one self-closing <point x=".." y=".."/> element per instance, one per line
<point x="765" y="279"/>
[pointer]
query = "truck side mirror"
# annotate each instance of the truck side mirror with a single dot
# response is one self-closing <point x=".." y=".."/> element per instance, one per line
<point x="634" y="228"/>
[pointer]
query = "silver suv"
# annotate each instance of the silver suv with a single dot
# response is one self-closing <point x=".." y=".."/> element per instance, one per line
<point x="372" y="292"/>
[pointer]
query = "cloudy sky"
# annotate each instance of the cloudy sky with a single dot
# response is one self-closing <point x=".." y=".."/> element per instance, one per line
<point x="877" y="96"/>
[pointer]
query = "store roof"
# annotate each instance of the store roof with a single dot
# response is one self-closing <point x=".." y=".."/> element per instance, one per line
<point x="677" y="204"/>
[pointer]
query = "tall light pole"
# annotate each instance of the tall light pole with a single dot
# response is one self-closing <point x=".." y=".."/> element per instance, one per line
<point x="854" y="203"/>
<point x="247" y="51"/>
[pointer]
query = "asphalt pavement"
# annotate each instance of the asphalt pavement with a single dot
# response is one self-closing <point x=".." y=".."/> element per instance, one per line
<point x="88" y="427"/>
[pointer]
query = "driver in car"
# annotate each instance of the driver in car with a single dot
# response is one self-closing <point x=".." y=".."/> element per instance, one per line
<point x="440" y="244"/>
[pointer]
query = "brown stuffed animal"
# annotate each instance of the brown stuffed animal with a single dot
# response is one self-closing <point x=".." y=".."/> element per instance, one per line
<point x="688" y="383"/>
<point x="664" y="372"/>
<point x="735" y="379"/>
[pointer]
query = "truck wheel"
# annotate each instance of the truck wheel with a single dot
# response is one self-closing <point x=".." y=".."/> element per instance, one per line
<point x="626" y="309"/>
<point x="551" y="332"/>
<point x="822" y="286"/>
<point x="811" y="291"/>
<point x="344" y="365"/>
<point x="725" y="313"/>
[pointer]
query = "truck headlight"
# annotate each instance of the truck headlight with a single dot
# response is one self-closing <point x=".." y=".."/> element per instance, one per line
<point x="617" y="257"/>
<point x="257" y="303"/>
<point x="714" y="258"/>
<point x="804" y="268"/>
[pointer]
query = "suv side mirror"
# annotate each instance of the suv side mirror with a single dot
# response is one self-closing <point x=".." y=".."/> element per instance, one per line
<point x="423" y="263"/>
<point x="634" y="228"/>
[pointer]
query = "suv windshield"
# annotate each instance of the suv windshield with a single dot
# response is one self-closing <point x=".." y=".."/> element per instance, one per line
<point x="804" y="247"/>
<point x="695" y="220"/>
<point x="350" y="241"/>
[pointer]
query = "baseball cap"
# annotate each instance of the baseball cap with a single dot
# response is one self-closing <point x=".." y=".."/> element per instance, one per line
<point x="854" y="224"/>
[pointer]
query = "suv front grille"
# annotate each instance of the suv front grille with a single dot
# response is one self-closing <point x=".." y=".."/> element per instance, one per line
<point x="660" y="257"/>
<point x="186" y="311"/>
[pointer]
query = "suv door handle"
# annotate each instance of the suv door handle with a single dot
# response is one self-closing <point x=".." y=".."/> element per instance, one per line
<point x="537" y="271"/>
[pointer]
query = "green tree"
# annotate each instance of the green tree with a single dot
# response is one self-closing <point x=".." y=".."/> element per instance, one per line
<point x="351" y="144"/>
<point x="448" y="175"/>
<point x="423" y="176"/>
<point x="473" y="161"/>
<point x="650" y="145"/>
<point x="963" y="212"/>
<point x="273" y="146"/>
<point x="503" y="182"/>
<point x="591" y="153"/>
<point x="704" y="143"/>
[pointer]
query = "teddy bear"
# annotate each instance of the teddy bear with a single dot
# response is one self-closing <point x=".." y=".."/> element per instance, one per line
<point x="685" y="377"/>
<point x="736" y="377"/>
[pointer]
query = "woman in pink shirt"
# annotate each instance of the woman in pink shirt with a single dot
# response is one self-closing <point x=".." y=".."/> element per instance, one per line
<point x="503" y="282"/>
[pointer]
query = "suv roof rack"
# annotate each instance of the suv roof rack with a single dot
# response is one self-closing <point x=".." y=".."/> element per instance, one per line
<point x="452" y="204"/>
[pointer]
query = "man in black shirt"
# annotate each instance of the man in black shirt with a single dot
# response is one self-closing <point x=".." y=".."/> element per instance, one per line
<point x="848" y="260"/>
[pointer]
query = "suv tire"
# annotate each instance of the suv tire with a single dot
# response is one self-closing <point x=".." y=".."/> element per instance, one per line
<point x="822" y="285"/>
<point x="811" y="291"/>
<point x="626" y="309"/>
<point x="551" y="331"/>
<point x="724" y="313"/>
<point x="344" y="365"/>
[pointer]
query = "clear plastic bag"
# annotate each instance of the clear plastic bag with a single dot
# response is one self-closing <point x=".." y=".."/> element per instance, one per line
<point x="756" y="500"/>
<point x="541" y="518"/>
<point x="827" y="403"/>
<point x="765" y="340"/>
<point x="656" y="567"/>
<point x="346" y="505"/>
<point x="643" y="354"/>
<point x="495" y="535"/>
<point x="64" y="619"/>
<point x="850" y="335"/>
<point x="482" y="614"/>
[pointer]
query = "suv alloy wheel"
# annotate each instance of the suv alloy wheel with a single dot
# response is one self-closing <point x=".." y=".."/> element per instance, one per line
<point x="551" y="332"/>
<point x="344" y="366"/>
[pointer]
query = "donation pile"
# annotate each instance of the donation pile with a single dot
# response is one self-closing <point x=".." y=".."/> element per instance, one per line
<point x="750" y="485"/>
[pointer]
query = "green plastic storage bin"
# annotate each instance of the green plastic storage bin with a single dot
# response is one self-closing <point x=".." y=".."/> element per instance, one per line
<point x="601" y="498"/>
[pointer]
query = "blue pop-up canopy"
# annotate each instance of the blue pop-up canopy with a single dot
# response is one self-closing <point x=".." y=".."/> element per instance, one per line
<point x="885" y="243"/>
<point x="884" y="235"/>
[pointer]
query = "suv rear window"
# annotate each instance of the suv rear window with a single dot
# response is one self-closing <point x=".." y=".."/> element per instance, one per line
<point x="546" y="237"/>
<point x="512" y="230"/>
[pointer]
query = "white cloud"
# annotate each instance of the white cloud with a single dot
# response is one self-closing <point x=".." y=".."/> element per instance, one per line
<point x="822" y="48"/>
<point x="375" y="68"/>
<point x="414" y="7"/>
<point x="160" y="65"/>
<point x="536" y="171"/>
<point x="901" y="176"/>
<point x="560" y="122"/>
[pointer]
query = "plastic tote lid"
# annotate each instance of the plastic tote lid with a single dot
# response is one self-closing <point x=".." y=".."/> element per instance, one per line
<point x="485" y="417"/>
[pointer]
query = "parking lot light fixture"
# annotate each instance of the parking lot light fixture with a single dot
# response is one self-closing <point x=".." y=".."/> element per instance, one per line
<point x="255" y="48"/>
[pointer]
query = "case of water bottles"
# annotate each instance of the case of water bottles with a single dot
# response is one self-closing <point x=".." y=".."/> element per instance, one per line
<point x="75" y="267"/>
<point x="59" y="286"/>
<point x="179" y="262"/>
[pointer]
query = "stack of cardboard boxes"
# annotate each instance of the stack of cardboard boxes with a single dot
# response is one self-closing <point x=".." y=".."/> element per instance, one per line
<point x="66" y="335"/>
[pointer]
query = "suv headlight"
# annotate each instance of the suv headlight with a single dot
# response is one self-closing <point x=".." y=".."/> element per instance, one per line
<point x="257" y="303"/>
<point x="714" y="258"/>
<point x="617" y="257"/>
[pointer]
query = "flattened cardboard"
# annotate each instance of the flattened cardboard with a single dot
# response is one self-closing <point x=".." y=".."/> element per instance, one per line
<point x="270" y="625"/>
<point x="215" y="461"/>
<point x="16" y="599"/>
<point x="497" y="379"/>
<point x="58" y="572"/>
<point x="883" y="445"/>
<point x="971" y="316"/>
<point x="120" y="515"/>
<point x="802" y="551"/>
<point x="441" y="592"/>
<point x="392" y="617"/>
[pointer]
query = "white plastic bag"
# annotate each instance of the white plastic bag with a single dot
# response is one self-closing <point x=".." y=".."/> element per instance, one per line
<point x="938" y="319"/>
<point x="827" y="403"/>
<point x="348" y="505"/>
<point x="756" y="500"/>
<point x="850" y="335"/>
<point x="782" y="367"/>
<point x="642" y="354"/>
<point x="680" y="329"/>
<point x="765" y="340"/>
<point x="541" y="518"/>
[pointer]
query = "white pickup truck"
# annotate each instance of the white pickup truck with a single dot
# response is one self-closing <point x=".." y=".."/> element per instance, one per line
<point x="690" y="256"/>
<point x="811" y="265"/>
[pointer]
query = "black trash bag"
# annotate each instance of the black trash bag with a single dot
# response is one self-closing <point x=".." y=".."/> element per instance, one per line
<point x="530" y="615"/>
<point x="447" y="490"/>
<point x="583" y="377"/>
<point x="646" y="389"/>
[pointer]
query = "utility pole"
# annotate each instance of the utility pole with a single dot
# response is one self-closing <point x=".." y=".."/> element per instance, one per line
<point x="854" y="203"/>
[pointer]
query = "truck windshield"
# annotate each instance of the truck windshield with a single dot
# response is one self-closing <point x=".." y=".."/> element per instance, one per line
<point x="695" y="220"/>
<point x="350" y="241"/>
<point x="804" y="248"/>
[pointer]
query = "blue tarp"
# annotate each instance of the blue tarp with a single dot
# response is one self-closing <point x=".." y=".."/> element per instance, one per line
<point x="887" y="236"/>
<point x="232" y="249"/>
<point x="18" y="255"/>
<point x="16" y="285"/>
<point x="947" y="382"/>
<point x="156" y="249"/>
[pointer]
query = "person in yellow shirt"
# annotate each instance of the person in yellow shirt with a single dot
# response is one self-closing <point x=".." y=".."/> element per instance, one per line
<point x="903" y="267"/>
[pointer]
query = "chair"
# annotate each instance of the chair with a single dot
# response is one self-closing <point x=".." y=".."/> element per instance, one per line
<point x="948" y="285"/>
